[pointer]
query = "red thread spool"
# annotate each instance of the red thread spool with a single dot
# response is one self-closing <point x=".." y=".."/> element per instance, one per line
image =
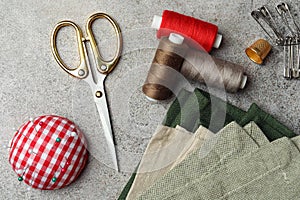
<point x="201" y="34"/>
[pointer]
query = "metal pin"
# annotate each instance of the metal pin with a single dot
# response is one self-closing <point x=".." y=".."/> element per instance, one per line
<point x="290" y="41"/>
<point x="32" y="151"/>
<point x="286" y="58"/>
<point x="291" y="56"/>
<point x="284" y="12"/>
<point x="294" y="59"/>
<point x="264" y="14"/>
<point x="72" y="134"/>
<point x="296" y="73"/>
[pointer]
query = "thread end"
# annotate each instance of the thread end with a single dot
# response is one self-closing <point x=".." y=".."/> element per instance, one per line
<point x="243" y="82"/>
<point x="156" y="92"/>
<point x="218" y="41"/>
<point x="176" y="38"/>
<point x="156" y="22"/>
<point x="151" y="99"/>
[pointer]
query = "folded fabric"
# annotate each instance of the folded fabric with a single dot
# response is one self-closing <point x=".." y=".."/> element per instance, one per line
<point x="163" y="149"/>
<point x="202" y="108"/>
<point x="178" y="113"/>
<point x="176" y="108"/>
<point x="190" y="111"/>
<point x="268" y="124"/>
<point x="296" y="141"/>
<point x="127" y="187"/>
<point x="148" y="171"/>
<point x="230" y="143"/>
<point x="146" y="176"/>
<point x="202" y="134"/>
<point x="256" y="134"/>
<point x="271" y="172"/>
<point x="197" y="110"/>
<point x="198" y="139"/>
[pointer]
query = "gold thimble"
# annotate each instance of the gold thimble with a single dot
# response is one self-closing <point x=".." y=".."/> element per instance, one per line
<point x="258" y="51"/>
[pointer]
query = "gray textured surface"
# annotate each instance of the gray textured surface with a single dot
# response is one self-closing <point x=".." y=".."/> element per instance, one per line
<point x="32" y="83"/>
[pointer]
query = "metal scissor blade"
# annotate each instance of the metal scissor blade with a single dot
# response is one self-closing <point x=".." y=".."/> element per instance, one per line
<point x="102" y="108"/>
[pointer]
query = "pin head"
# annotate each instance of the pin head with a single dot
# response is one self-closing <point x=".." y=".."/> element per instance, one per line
<point x="73" y="134"/>
<point x="54" y="179"/>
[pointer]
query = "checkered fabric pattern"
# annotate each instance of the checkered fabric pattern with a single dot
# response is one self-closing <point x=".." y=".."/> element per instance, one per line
<point x="48" y="152"/>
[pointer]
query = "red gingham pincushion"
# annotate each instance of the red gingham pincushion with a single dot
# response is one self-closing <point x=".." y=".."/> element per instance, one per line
<point x="48" y="152"/>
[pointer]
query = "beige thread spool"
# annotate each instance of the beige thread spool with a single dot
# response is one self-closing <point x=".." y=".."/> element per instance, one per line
<point x="192" y="64"/>
<point x="214" y="72"/>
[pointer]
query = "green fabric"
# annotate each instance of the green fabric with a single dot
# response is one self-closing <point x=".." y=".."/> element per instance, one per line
<point x="212" y="115"/>
<point x="182" y="106"/>
<point x="177" y="106"/>
<point x="189" y="113"/>
<point x="199" y="103"/>
<point x="127" y="187"/>
<point x="230" y="143"/>
<point x="268" y="124"/>
<point x="271" y="172"/>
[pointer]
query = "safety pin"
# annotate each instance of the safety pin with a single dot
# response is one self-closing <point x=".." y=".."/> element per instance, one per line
<point x="289" y="41"/>
<point x="296" y="68"/>
<point x="286" y="56"/>
<point x="293" y="43"/>
<point x="291" y="58"/>
<point x="294" y="50"/>
<point x="264" y="14"/>
<point x="284" y="11"/>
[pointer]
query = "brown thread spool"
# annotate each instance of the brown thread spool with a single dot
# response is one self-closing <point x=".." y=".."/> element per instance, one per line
<point x="192" y="64"/>
<point x="214" y="72"/>
<point x="168" y="60"/>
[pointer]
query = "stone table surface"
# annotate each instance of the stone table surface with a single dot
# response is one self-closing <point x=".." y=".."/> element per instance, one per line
<point x="32" y="83"/>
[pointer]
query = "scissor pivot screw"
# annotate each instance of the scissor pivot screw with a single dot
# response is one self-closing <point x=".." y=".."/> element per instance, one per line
<point x="81" y="72"/>
<point x="98" y="94"/>
<point x="103" y="67"/>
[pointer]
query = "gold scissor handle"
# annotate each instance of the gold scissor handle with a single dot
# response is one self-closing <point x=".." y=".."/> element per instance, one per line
<point x="81" y="71"/>
<point x="104" y="66"/>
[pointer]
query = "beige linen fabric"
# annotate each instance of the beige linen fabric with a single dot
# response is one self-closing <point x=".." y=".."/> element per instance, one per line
<point x="145" y="179"/>
<point x="199" y="137"/>
<point x="163" y="149"/>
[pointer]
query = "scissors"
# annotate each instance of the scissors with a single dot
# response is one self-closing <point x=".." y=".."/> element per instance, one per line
<point x="84" y="71"/>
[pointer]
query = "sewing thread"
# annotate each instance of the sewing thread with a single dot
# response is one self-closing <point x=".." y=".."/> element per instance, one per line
<point x="194" y="65"/>
<point x="167" y="61"/>
<point x="201" y="33"/>
<point x="214" y="72"/>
